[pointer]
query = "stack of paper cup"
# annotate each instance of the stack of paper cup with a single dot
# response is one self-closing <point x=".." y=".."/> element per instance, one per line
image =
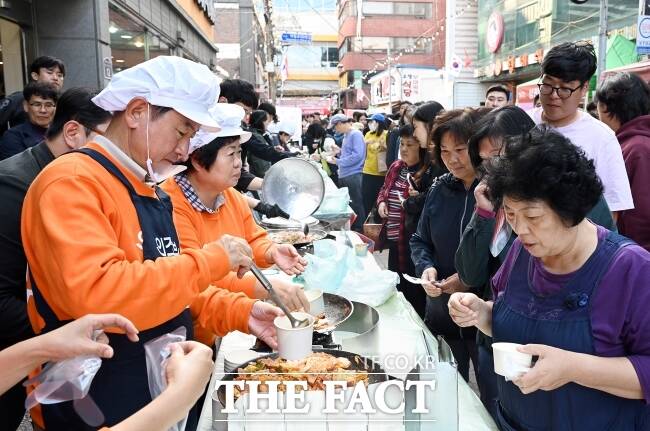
<point x="316" y="301"/>
<point x="509" y="362"/>
<point x="235" y="358"/>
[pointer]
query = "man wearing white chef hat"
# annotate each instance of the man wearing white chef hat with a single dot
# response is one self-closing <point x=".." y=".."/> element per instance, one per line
<point x="99" y="235"/>
<point x="206" y="206"/>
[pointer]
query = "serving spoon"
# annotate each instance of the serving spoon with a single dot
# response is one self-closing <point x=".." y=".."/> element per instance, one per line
<point x="295" y="323"/>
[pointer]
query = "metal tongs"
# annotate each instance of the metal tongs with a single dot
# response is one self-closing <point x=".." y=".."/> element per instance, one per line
<point x="295" y="323"/>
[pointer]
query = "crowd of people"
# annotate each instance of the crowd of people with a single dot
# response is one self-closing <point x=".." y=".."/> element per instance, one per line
<point x="526" y="227"/>
<point x="514" y="220"/>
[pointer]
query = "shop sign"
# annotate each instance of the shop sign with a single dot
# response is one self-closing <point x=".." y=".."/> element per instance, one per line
<point x="643" y="35"/>
<point x="295" y="38"/>
<point x="512" y="63"/>
<point x="495" y="29"/>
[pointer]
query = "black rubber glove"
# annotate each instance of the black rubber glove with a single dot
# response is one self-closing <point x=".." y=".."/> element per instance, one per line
<point x="270" y="210"/>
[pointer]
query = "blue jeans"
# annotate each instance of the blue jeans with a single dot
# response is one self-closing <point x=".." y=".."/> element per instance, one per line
<point x="353" y="183"/>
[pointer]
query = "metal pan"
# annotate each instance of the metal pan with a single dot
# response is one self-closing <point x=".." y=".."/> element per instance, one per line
<point x="337" y="310"/>
<point x="359" y="363"/>
<point x="315" y="234"/>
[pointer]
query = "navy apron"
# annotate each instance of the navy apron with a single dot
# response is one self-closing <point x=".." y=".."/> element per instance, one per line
<point x="561" y="320"/>
<point x="121" y="387"/>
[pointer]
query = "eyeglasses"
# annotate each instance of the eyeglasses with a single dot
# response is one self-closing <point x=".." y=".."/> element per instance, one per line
<point x="39" y="105"/>
<point x="562" y="92"/>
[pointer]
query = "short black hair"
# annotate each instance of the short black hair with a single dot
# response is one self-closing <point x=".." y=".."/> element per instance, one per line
<point x="500" y="123"/>
<point x="206" y="155"/>
<point x="459" y="123"/>
<point x="270" y="109"/>
<point x="35" y="88"/>
<point x="356" y="115"/>
<point x="75" y="104"/>
<point x="239" y="90"/>
<point x="257" y="119"/>
<point x="337" y="111"/>
<point x="406" y="131"/>
<point x="570" y="61"/>
<point x="499" y="89"/>
<point x="315" y="131"/>
<point x="625" y="96"/>
<point x="46" y="62"/>
<point x="544" y="165"/>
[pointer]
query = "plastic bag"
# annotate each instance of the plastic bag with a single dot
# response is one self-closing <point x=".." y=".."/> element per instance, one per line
<point x="68" y="380"/>
<point x="157" y="353"/>
<point x="369" y="287"/>
<point x="329" y="264"/>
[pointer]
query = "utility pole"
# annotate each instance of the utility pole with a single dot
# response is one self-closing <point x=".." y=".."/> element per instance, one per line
<point x="390" y="80"/>
<point x="602" y="39"/>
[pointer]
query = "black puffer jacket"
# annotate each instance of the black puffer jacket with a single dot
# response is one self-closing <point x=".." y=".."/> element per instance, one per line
<point x="447" y="210"/>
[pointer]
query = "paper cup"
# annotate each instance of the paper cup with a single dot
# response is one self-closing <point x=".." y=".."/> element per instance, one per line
<point x="316" y="301"/>
<point x="509" y="362"/>
<point x="361" y="250"/>
<point x="294" y="343"/>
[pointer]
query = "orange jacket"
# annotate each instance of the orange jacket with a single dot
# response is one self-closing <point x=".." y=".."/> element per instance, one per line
<point x="80" y="234"/>
<point x="196" y="229"/>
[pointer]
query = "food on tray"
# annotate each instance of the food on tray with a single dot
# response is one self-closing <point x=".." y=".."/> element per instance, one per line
<point x="315" y="369"/>
<point x="321" y="322"/>
<point x="290" y="237"/>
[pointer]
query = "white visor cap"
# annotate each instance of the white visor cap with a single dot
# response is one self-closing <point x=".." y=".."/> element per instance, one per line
<point x="187" y="87"/>
<point x="229" y="117"/>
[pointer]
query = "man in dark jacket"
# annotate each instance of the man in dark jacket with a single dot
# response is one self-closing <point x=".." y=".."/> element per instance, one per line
<point x="624" y="104"/>
<point x="39" y="104"/>
<point x="45" y="69"/>
<point x="75" y="120"/>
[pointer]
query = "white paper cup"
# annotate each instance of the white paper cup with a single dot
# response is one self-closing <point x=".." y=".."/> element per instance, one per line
<point x="316" y="301"/>
<point x="509" y="362"/>
<point x="294" y="343"/>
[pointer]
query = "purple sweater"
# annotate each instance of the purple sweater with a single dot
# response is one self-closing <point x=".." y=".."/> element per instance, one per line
<point x="620" y="319"/>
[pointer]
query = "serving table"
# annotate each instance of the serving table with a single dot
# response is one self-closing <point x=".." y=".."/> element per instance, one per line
<point x="399" y="333"/>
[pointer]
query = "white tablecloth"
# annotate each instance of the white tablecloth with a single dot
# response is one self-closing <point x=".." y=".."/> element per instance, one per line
<point x="401" y="331"/>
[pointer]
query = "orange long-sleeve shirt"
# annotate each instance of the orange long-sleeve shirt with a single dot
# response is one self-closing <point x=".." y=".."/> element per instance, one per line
<point x="80" y="233"/>
<point x="197" y="228"/>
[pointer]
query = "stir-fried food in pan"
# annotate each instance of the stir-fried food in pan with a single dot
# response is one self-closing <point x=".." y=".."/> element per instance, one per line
<point x="290" y="237"/>
<point x="315" y="369"/>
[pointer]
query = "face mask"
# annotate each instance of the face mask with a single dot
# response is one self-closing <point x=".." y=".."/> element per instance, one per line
<point x="373" y="126"/>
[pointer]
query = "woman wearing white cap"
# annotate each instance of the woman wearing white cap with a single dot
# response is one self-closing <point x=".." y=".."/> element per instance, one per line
<point x="99" y="236"/>
<point x="206" y="206"/>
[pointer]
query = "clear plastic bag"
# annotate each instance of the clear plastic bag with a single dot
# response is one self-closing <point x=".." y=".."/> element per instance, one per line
<point x="370" y="287"/>
<point x="329" y="264"/>
<point x="157" y="353"/>
<point x="68" y="380"/>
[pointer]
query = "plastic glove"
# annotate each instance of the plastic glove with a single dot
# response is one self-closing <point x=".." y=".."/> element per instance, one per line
<point x="270" y="210"/>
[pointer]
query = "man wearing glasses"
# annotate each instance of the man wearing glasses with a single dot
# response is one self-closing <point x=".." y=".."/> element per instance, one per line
<point x="566" y="71"/>
<point x="40" y="104"/>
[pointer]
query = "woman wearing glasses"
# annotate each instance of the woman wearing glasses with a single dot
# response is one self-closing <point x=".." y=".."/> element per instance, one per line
<point x="566" y="71"/>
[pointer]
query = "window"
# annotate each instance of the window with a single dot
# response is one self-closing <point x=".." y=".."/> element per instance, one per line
<point x="403" y="9"/>
<point x="316" y="56"/>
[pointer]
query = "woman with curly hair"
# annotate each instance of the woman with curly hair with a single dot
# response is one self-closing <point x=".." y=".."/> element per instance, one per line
<point x="573" y="293"/>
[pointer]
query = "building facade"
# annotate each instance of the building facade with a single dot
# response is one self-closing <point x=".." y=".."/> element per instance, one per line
<point x="514" y="35"/>
<point x="307" y="63"/>
<point x="372" y="32"/>
<point x="243" y="43"/>
<point x="96" y="38"/>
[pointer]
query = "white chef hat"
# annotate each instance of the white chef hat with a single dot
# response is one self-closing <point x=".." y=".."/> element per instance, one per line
<point x="229" y="117"/>
<point x="286" y="127"/>
<point x="187" y="87"/>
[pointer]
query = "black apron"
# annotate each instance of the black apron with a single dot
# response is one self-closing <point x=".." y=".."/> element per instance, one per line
<point x="121" y="387"/>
